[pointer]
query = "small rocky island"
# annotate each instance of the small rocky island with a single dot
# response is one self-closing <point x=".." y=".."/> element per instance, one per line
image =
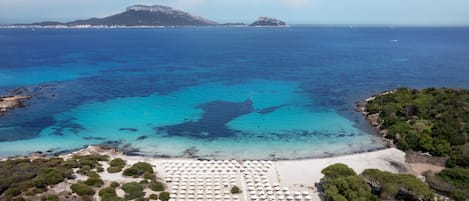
<point x="10" y="102"/>
<point x="268" y="22"/>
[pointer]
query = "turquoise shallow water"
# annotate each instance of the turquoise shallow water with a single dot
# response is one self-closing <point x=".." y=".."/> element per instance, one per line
<point x="215" y="92"/>
<point x="296" y="129"/>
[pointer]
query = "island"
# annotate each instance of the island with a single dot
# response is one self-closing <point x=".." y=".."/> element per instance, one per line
<point x="134" y="16"/>
<point x="268" y="22"/>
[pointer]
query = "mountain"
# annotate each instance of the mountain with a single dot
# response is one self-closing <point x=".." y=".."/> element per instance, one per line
<point x="268" y="22"/>
<point x="140" y="15"/>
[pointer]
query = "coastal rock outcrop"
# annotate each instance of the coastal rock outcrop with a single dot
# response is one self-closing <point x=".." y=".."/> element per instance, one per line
<point x="268" y="22"/>
<point x="10" y="102"/>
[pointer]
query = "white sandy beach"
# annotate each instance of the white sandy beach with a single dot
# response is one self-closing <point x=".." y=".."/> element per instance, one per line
<point x="296" y="175"/>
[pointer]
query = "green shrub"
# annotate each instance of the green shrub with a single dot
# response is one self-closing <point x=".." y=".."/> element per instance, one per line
<point x="337" y="170"/>
<point x="153" y="197"/>
<point x="150" y="176"/>
<point x="459" y="195"/>
<point x="113" y="169"/>
<point x="138" y="169"/>
<point x="92" y="174"/>
<point x="52" y="197"/>
<point x="99" y="169"/>
<point x="109" y="194"/>
<point x="350" y="188"/>
<point x="164" y="196"/>
<point x="12" y="192"/>
<point x="156" y="186"/>
<point x="235" y="190"/>
<point x="82" y="189"/>
<point x="94" y="181"/>
<point x="457" y="176"/>
<point x="115" y="184"/>
<point x="133" y="190"/>
<point x="117" y="162"/>
<point x="393" y="186"/>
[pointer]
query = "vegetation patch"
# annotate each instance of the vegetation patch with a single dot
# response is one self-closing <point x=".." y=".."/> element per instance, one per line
<point x="109" y="194"/>
<point x="138" y="169"/>
<point x="116" y="165"/>
<point x="133" y="190"/>
<point x="82" y="189"/>
<point x="156" y="186"/>
<point x="235" y="190"/>
<point x="434" y="121"/>
<point x="341" y="183"/>
<point x="164" y="196"/>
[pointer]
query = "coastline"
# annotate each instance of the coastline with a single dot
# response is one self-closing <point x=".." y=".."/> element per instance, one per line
<point x="298" y="175"/>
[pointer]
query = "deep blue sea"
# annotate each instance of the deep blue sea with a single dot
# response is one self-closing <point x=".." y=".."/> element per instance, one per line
<point x="215" y="92"/>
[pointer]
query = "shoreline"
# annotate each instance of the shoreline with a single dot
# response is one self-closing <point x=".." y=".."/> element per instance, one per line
<point x="297" y="175"/>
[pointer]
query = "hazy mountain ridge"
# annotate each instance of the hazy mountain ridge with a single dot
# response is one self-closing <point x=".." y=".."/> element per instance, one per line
<point x="149" y="16"/>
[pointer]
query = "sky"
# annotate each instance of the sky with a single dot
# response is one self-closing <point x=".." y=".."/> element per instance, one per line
<point x="367" y="12"/>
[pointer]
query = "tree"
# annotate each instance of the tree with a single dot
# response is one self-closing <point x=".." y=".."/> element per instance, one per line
<point x="337" y="170"/>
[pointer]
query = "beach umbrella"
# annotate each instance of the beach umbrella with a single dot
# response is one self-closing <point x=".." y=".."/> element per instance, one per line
<point x="308" y="197"/>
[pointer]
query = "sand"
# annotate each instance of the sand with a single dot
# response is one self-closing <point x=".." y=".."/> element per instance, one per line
<point x="303" y="174"/>
<point x="297" y="175"/>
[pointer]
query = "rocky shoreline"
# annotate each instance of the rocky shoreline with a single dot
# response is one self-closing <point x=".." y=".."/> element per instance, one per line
<point x="12" y="101"/>
<point x="373" y="118"/>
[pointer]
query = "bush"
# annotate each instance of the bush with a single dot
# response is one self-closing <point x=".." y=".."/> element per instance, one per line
<point x="99" y="169"/>
<point x="138" y="169"/>
<point x="109" y="194"/>
<point x="153" y="197"/>
<point x="133" y="190"/>
<point x="117" y="162"/>
<point x="457" y="176"/>
<point x="82" y="189"/>
<point x="351" y="188"/>
<point x="12" y="192"/>
<point x="94" y="181"/>
<point x="52" y="198"/>
<point x="156" y="186"/>
<point x="113" y="169"/>
<point x="115" y="184"/>
<point x="164" y="196"/>
<point x="337" y="170"/>
<point x="395" y="186"/>
<point x="149" y="176"/>
<point x="235" y="190"/>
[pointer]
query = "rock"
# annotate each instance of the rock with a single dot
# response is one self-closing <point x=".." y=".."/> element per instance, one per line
<point x="10" y="102"/>
<point x="268" y="22"/>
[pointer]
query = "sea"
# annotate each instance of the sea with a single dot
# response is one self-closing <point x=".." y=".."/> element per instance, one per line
<point x="215" y="92"/>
